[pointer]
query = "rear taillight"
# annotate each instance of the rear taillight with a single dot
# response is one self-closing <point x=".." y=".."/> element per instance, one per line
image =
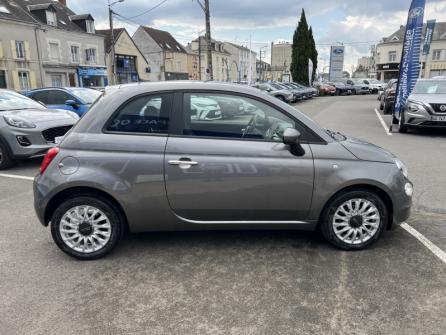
<point x="48" y="158"/>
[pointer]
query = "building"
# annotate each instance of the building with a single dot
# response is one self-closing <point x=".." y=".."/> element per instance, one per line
<point x="388" y="54"/>
<point x="46" y="44"/>
<point x="280" y="60"/>
<point x="263" y="70"/>
<point x="130" y="64"/>
<point x="167" y="58"/>
<point x="239" y="63"/>
<point x="193" y="64"/>
<point x="221" y="59"/>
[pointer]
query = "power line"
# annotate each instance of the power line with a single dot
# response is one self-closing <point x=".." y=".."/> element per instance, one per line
<point x="147" y="11"/>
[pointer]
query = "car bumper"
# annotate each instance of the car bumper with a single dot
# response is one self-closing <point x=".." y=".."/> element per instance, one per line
<point x="402" y="202"/>
<point x="39" y="205"/>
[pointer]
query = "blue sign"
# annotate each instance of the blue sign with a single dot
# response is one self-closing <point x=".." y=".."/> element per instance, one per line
<point x="91" y="71"/>
<point x="338" y="51"/>
<point x="410" y="60"/>
<point x="430" y="26"/>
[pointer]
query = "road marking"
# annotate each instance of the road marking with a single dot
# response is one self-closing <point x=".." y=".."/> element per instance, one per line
<point x="423" y="239"/>
<point x="14" y="176"/>
<point x="386" y="128"/>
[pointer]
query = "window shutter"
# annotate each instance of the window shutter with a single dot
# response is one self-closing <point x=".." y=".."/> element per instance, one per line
<point x="32" y="79"/>
<point x="13" y="50"/>
<point x="27" y="52"/>
<point x="15" y="80"/>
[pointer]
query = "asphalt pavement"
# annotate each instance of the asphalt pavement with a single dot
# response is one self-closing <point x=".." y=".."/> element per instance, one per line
<point x="250" y="282"/>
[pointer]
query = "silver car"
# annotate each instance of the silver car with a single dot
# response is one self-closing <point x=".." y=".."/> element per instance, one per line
<point x="275" y="90"/>
<point x="120" y="169"/>
<point x="27" y="128"/>
<point x="426" y="106"/>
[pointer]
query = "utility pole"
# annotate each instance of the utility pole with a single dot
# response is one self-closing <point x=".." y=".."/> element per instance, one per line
<point x="110" y="18"/>
<point x="207" y="14"/>
<point x="199" y="56"/>
<point x="261" y="65"/>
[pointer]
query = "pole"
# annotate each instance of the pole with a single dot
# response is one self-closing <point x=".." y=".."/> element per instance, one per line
<point x="249" y="63"/>
<point x="110" y="17"/>
<point x="199" y="56"/>
<point x="208" y="37"/>
<point x="261" y="66"/>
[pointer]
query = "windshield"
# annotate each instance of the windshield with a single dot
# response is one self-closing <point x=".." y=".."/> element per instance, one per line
<point x="277" y="87"/>
<point x="87" y="95"/>
<point x="430" y="87"/>
<point x="10" y="100"/>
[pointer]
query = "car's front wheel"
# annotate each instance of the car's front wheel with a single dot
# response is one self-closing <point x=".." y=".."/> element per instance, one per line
<point x="87" y="227"/>
<point x="353" y="220"/>
<point x="6" y="160"/>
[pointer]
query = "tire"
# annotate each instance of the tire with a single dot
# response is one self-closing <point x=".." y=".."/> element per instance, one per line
<point x="6" y="159"/>
<point x="114" y="227"/>
<point x="375" y="227"/>
<point x="281" y="98"/>
<point x="381" y="106"/>
<point x="401" y="127"/>
<point x="386" y="108"/>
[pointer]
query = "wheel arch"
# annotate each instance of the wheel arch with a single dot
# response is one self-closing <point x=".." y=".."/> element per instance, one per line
<point x="65" y="194"/>
<point x="385" y="197"/>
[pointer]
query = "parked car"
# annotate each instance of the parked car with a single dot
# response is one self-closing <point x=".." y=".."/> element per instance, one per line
<point x="341" y="88"/>
<point x="27" y="128"/>
<point x="205" y="109"/>
<point x="387" y="103"/>
<point x="273" y="169"/>
<point x="276" y="91"/>
<point x="299" y="93"/>
<point x="356" y="86"/>
<point x="425" y="107"/>
<point x="374" y="85"/>
<point x="311" y="91"/>
<point x="327" y="89"/>
<point x="74" y="99"/>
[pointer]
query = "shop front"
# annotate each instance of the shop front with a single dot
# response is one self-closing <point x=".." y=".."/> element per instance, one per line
<point x="387" y="71"/>
<point x="92" y="76"/>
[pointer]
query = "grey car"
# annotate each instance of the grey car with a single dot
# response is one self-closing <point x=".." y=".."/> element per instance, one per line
<point x="426" y="106"/>
<point x="120" y="169"/>
<point x="276" y="91"/>
<point x="27" y="128"/>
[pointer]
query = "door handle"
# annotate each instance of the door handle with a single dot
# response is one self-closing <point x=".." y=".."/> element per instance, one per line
<point x="183" y="163"/>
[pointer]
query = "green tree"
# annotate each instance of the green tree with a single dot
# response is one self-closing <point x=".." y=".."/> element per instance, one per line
<point x="303" y="48"/>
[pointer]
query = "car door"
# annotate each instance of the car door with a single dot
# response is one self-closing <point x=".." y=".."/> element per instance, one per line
<point x="236" y="170"/>
<point x="57" y="99"/>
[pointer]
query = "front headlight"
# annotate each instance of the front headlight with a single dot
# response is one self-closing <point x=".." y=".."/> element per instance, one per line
<point x="414" y="107"/>
<point x="16" y="121"/>
<point x="402" y="167"/>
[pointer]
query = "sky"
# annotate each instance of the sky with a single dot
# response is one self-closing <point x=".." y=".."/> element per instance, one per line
<point x="357" y="24"/>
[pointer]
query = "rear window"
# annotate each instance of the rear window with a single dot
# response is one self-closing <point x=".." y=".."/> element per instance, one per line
<point x="145" y="114"/>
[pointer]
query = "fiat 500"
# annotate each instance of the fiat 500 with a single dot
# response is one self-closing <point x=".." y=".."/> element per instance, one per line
<point x="126" y="167"/>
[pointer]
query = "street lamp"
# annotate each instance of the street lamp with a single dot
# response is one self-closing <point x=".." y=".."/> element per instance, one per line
<point x="110" y="17"/>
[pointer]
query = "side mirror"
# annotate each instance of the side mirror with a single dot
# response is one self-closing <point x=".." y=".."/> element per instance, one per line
<point x="71" y="103"/>
<point x="291" y="137"/>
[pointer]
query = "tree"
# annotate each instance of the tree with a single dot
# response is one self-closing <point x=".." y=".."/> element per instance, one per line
<point x="303" y="48"/>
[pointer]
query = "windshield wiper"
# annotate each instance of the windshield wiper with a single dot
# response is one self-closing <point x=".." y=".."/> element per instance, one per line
<point x="336" y="135"/>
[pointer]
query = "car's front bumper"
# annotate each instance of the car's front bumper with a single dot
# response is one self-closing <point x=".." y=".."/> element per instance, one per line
<point x="402" y="202"/>
<point x="37" y="147"/>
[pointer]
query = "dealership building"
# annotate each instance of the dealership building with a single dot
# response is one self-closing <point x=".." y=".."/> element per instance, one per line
<point x="389" y="50"/>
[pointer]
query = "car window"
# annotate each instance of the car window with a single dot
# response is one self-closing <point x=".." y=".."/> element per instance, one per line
<point x="41" y="96"/>
<point x="232" y="116"/>
<point x="146" y="114"/>
<point x="56" y="97"/>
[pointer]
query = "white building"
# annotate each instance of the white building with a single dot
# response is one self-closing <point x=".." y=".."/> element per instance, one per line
<point x="280" y="60"/>
<point x="242" y="62"/>
<point x="388" y="54"/>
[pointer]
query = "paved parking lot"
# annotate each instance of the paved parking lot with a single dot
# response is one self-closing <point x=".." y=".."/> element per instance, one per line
<point x="237" y="282"/>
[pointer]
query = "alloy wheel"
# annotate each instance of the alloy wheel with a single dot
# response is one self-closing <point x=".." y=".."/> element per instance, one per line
<point x="85" y="229"/>
<point x="356" y="221"/>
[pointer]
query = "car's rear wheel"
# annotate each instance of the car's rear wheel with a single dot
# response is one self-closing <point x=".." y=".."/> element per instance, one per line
<point x="354" y="220"/>
<point x="6" y="159"/>
<point x="281" y="98"/>
<point x="87" y="227"/>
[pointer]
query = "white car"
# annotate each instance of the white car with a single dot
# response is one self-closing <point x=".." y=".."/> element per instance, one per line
<point x="204" y="109"/>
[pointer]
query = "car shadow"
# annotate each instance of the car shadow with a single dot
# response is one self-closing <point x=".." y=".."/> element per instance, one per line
<point x="428" y="132"/>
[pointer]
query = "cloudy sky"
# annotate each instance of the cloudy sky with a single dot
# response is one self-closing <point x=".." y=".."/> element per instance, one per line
<point x="356" y="23"/>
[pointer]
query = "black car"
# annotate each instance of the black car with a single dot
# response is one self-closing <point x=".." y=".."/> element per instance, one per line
<point x="341" y="88"/>
<point x="388" y="97"/>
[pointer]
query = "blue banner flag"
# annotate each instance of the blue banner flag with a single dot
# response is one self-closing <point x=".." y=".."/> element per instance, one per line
<point x="430" y="26"/>
<point x="410" y="60"/>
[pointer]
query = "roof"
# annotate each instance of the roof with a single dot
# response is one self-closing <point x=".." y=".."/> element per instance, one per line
<point x="164" y="39"/>
<point x="108" y="38"/>
<point x="24" y="11"/>
<point x="398" y="36"/>
<point x="81" y="17"/>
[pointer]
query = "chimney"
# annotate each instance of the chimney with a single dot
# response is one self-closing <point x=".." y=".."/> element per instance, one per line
<point x="63" y="2"/>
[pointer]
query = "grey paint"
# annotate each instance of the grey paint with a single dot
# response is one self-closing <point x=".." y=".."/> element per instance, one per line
<point x="236" y="180"/>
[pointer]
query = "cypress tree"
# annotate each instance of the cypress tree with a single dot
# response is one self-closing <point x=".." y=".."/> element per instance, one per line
<point x="303" y="48"/>
<point x="313" y="53"/>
